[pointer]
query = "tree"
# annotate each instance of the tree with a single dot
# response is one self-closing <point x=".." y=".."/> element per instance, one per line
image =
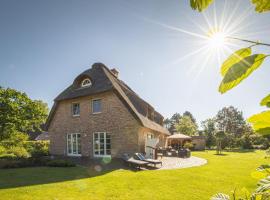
<point x="241" y="63"/>
<point x="18" y="113"/>
<point x="209" y="129"/>
<point x="186" y="126"/>
<point x="231" y="121"/>
<point x="167" y="123"/>
<point x="220" y="136"/>
<point x="187" y="113"/>
<point x="173" y="121"/>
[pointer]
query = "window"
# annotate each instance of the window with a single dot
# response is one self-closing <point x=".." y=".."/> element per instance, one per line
<point x="96" y="106"/>
<point x="86" y="83"/>
<point x="74" y="144"/>
<point x="150" y="135"/>
<point x="76" y="109"/>
<point x="102" y="144"/>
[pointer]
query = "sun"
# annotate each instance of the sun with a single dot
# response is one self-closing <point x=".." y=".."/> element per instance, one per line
<point x="217" y="38"/>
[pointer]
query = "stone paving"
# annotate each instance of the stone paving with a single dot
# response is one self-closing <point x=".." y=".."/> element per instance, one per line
<point x="177" y="163"/>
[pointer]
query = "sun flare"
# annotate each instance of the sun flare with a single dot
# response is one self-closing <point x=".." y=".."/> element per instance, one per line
<point x="217" y="39"/>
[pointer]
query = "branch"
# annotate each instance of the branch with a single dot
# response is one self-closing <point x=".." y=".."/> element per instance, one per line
<point x="249" y="41"/>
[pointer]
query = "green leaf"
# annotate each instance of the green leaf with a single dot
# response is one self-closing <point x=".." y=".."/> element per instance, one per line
<point x="261" y="122"/>
<point x="264" y="185"/>
<point x="240" y="70"/>
<point x="220" y="196"/>
<point x="261" y="5"/>
<point x="234" y="58"/>
<point x="266" y="101"/>
<point x="200" y="5"/>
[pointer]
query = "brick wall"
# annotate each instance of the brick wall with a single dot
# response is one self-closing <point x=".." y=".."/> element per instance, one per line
<point x="114" y="119"/>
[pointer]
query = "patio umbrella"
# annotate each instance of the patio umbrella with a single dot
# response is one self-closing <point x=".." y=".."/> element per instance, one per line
<point x="179" y="137"/>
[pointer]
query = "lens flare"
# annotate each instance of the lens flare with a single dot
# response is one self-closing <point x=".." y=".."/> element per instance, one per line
<point x="217" y="38"/>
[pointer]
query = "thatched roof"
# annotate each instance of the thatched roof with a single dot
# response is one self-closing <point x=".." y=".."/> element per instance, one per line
<point x="104" y="80"/>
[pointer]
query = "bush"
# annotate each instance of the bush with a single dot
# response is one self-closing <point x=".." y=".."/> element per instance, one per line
<point x="2" y="150"/>
<point x="37" y="148"/>
<point x="60" y="163"/>
<point x="18" y="151"/>
<point x="188" y="145"/>
<point x="8" y="156"/>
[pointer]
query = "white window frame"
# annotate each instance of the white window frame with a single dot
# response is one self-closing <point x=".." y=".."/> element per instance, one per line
<point x="92" y="102"/>
<point x="105" y="144"/>
<point x="71" y="140"/>
<point x="83" y="84"/>
<point x="72" y="104"/>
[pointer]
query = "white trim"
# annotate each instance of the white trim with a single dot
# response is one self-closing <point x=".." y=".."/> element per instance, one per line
<point x="92" y="103"/>
<point x="105" y="144"/>
<point x="87" y="84"/>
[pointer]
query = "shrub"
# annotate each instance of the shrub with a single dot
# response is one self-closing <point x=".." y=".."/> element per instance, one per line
<point x="8" y="156"/>
<point x="18" y="151"/>
<point x="60" y="163"/>
<point x="188" y="145"/>
<point x="37" y="148"/>
<point x="2" y="150"/>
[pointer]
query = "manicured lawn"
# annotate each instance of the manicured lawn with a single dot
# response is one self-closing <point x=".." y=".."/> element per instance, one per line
<point x="221" y="174"/>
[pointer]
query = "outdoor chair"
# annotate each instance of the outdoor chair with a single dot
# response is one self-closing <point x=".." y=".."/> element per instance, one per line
<point x="141" y="157"/>
<point x="134" y="162"/>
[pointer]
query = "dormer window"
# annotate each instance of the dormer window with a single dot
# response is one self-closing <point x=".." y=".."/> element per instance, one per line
<point x="86" y="82"/>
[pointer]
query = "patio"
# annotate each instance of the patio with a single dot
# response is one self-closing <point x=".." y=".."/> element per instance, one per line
<point x="178" y="163"/>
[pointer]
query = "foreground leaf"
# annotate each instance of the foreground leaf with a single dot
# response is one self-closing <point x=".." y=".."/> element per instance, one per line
<point x="234" y="58"/>
<point x="261" y="122"/>
<point x="220" y="196"/>
<point x="200" y="5"/>
<point x="240" y="70"/>
<point x="261" y="5"/>
<point x="264" y="185"/>
<point x="266" y="101"/>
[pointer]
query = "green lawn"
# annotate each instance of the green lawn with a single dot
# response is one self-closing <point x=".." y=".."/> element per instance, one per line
<point x="221" y="174"/>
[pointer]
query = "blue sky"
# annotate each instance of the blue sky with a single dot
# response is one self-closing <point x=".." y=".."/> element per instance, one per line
<point x="45" y="44"/>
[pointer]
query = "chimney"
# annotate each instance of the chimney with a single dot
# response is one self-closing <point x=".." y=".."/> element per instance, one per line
<point x="115" y="72"/>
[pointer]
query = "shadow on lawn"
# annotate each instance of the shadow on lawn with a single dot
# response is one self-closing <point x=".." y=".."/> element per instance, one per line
<point x="19" y="177"/>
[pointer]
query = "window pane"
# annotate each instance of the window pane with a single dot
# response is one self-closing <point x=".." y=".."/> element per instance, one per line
<point x="74" y="145"/>
<point x="96" y="106"/>
<point x="79" y="143"/>
<point x="75" y="109"/>
<point x="108" y="144"/>
<point x="69" y="144"/>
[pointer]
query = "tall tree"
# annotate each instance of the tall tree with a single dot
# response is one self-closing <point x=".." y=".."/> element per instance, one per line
<point x="187" y="113"/>
<point x="18" y="112"/>
<point x="186" y="126"/>
<point x="231" y="121"/>
<point x="174" y="120"/>
<point x="209" y="129"/>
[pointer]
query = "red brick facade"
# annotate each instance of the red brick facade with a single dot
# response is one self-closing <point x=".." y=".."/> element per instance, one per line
<point x="127" y="134"/>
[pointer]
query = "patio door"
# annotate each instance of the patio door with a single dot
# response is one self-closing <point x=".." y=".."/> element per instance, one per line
<point x="102" y="144"/>
<point x="150" y="145"/>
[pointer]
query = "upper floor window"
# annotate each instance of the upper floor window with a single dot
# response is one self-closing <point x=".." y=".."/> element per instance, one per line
<point x="76" y="109"/>
<point x="96" y="106"/>
<point x="86" y="82"/>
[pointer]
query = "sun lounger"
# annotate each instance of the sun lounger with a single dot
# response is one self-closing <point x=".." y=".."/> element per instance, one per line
<point x="131" y="161"/>
<point x="141" y="157"/>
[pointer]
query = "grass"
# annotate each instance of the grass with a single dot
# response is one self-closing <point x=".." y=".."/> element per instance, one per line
<point x="221" y="174"/>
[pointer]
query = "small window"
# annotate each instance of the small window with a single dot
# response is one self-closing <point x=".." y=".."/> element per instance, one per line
<point x="86" y="83"/>
<point x="96" y="106"/>
<point x="76" y="109"/>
